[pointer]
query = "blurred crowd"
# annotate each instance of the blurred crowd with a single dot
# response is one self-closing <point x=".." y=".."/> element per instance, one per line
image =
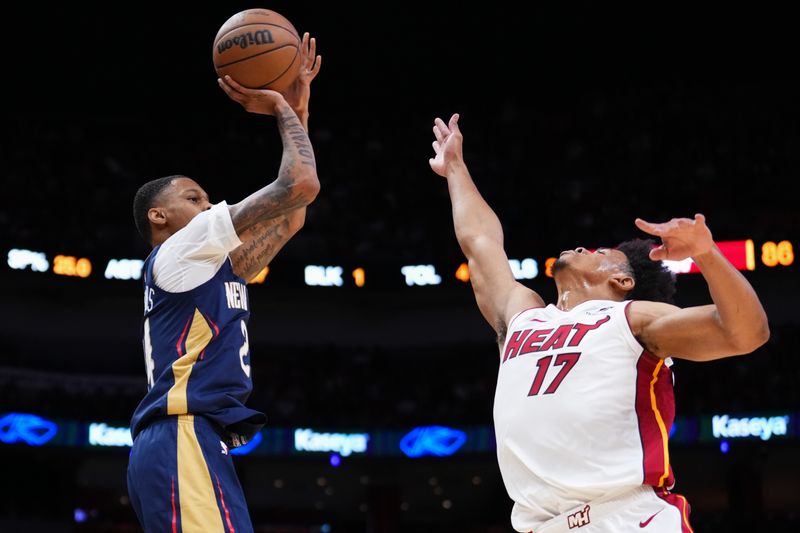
<point x="560" y="169"/>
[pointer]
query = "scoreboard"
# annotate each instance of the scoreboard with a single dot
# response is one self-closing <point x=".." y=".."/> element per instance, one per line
<point x="745" y="255"/>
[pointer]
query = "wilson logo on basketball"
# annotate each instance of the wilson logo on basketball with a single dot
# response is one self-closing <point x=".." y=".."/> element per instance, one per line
<point x="246" y="39"/>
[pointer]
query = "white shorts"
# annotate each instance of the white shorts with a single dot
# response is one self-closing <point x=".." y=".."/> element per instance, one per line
<point x="644" y="510"/>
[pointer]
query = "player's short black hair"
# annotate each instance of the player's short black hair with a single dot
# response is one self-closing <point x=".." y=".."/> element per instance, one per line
<point x="654" y="281"/>
<point x="145" y="199"/>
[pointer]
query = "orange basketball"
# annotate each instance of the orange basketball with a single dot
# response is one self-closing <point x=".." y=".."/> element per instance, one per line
<point x="258" y="48"/>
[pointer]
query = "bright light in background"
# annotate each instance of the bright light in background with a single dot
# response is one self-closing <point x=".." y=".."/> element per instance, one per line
<point x="725" y="426"/>
<point x="124" y="269"/>
<point x="680" y="267"/>
<point x="359" y="277"/>
<point x="439" y="441"/>
<point x="69" y="265"/>
<point x="420" y="275"/>
<point x="26" y="429"/>
<point x="101" y="434"/>
<point x="308" y="440"/>
<point x="462" y="272"/>
<point x="261" y="276"/>
<point x="548" y="266"/>
<point x="80" y="516"/>
<point x="336" y="460"/>
<point x="526" y="269"/>
<point x="724" y="446"/>
<point x="777" y="254"/>
<point x="21" y="259"/>
<point x="740" y="254"/>
<point x="323" y="276"/>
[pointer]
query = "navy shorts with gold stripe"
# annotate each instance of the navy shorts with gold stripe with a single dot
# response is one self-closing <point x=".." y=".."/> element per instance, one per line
<point x="181" y="479"/>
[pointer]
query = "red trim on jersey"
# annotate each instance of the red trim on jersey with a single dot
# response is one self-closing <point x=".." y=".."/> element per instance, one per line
<point x="174" y="510"/>
<point x="628" y="318"/>
<point x="224" y="508"/>
<point x="517" y="315"/>
<point x="655" y="411"/>
<point x="216" y="329"/>
<point x="179" y="344"/>
<point x="682" y="505"/>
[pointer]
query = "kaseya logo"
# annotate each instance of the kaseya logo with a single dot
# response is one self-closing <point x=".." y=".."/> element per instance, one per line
<point x="432" y="440"/>
<point x="728" y="427"/>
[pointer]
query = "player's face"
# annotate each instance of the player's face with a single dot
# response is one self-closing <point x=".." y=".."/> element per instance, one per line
<point x="602" y="262"/>
<point x="185" y="200"/>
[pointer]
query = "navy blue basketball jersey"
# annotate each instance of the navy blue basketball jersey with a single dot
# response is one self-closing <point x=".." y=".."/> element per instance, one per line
<point x="197" y="354"/>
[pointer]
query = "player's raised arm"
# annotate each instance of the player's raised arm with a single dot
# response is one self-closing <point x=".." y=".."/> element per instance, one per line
<point x="479" y="233"/>
<point x="271" y="216"/>
<point x="735" y="324"/>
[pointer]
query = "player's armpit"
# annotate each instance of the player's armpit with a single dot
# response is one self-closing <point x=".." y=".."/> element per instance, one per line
<point x="498" y="294"/>
<point x="262" y="241"/>
<point x="693" y="333"/>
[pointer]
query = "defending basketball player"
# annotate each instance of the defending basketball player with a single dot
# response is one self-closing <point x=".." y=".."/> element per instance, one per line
<point x="584" y="401"/>
<point x="196" y="347"/>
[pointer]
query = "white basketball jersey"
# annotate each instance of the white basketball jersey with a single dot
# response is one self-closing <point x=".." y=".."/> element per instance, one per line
<point x="581" y="410"/>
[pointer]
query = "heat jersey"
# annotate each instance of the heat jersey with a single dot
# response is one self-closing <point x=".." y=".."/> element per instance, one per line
<point x="581" y="410"/>
<point x="195" y="342"/>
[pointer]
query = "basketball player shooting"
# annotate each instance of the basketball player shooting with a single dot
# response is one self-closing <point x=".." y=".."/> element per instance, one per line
<point x="584" y="401"/>
<point x="197" y="358"/>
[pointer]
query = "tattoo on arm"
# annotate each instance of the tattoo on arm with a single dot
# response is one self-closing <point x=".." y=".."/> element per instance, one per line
<point x="261" y="243"/>
<point x="286" y="193"/>
<point x="291" y="128"/>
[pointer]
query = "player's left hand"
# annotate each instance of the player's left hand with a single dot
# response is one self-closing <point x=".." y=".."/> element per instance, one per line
<point x="259" y="101"/>
<point x="680" y="238"/>
<point x="299" y="93"/>
<point x="448" y="145"/>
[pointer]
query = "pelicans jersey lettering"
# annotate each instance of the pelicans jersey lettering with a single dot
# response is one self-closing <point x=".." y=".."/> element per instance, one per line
<point x="196" y="347"/>
<point x="582" y="412"/>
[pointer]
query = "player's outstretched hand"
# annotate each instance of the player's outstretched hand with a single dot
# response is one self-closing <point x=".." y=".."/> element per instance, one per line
<point x="259" y="101"/>
<point x="447" y="146"/>
<point x="299" y="93"/>
<point x="680" y="237"/>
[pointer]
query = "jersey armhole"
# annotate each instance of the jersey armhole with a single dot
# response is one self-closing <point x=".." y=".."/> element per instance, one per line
<point x="630" y="338"/>
<point x="518" y="314"/>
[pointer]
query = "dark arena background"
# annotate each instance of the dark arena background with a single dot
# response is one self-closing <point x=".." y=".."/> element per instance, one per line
<point x="370" y="357"/>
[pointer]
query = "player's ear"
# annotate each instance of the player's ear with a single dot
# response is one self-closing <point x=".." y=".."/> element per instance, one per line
<point x="157" y="216"/>
<point x="622" y="283"/>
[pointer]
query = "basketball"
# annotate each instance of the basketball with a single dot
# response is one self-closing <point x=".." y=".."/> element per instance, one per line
<point x="259" y="49"/>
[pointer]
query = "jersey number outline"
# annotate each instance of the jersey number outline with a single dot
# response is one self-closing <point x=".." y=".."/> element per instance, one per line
<point x="149" y="362"/>
<point x="565" y="360"/>
<point x="244" y="350"/>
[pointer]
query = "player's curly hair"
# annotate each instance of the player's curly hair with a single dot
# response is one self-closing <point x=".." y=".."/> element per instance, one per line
<point x="654" y="281"/>
<point x="145" y="199"/>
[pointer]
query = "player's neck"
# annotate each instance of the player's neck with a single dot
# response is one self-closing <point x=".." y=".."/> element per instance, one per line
<point x="579" y="291"/>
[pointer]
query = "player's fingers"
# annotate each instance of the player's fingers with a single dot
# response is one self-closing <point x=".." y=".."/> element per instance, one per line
<point x="228" y="90"/>
<point x="312" y="46"/>
<point x="648" y="227"/>
<point x="701" y="218"/>
<point x="440" y="123"/>
<point x="230" y="82"/>
<point x="436" y="146"/>
<point x="314" y="70"/>
<point x="454" y="122"/>
<point x="659" y="253"/>
<point x="437" y="132"/>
